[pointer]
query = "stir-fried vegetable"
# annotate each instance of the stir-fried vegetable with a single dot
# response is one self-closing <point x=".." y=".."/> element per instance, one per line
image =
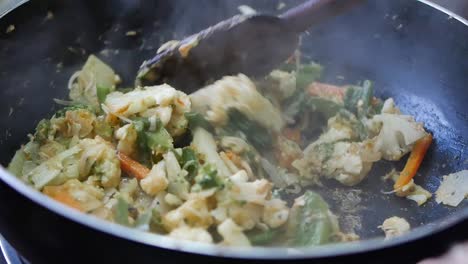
<point x="62" y="196"/>
<point x="310" y="222"/>
<point x="358" y="99"/>
<point x="132" y="167"/>
<point x="212" y="166"/>
<point x="102" y="93"/>
<point x="76" y="106"/>
<point x="54" y="169"/>
<point x="76" y="195"/>
<point x="414" y="161"/>
<point x="103" y="129"/>
<point x="307" y="73"/>
<point x="263" y="237"/>
<point x="257" y="135"/>
<point x="324" y="106"/>
<point x="95" y="80"/>
<point x="207" y="178"/>
<point x="197" y="120"/>
<point x="121" y="212"/>
<point x="238" y="93"/>
<point x="17" y="163"/>
<point x="189" y="162"/>
<point x="327" y="91"/>
<point x="397" y="134"/>
<point x="152" y="140"/>
<point x="204" y="143"/>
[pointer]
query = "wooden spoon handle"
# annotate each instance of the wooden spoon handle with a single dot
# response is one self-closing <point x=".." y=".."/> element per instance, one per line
<point x="311" y="12"/>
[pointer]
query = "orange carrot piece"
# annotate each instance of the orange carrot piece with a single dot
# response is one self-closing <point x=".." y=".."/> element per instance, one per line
<point x="132" y="167"/>
<point x="414" y="161"/>
<point x="60" y="194"/>
<point x="326" y="91"/>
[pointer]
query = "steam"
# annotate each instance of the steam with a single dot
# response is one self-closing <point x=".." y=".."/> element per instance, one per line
<point x="54" y="42"/>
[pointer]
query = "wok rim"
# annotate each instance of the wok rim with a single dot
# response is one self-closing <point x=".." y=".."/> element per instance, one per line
<point x="166" y="242"/>
<point x="267" y="253"/>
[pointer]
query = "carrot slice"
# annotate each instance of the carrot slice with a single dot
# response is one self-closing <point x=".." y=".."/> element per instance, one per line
<point x="414" y="161"/>
<point x="326" y="91"/>
<point x="60" y="194"/>
<point x="132" y="167"/>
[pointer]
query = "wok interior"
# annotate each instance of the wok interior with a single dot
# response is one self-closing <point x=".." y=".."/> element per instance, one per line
<point x="401" y="49"/>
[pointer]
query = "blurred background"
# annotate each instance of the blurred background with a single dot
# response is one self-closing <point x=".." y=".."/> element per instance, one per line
<point x="458" y="6"/>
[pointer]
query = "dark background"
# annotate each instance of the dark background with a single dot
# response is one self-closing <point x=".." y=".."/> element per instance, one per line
<point x="458" y="6"/>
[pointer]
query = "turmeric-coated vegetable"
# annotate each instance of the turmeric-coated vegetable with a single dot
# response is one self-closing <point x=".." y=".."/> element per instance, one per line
<point x="414" y="161"/>
<point x="60" y="194"/>
<point x="132" y="167"/>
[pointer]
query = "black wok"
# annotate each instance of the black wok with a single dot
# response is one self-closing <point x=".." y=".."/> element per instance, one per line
<point x="413" y="52"/>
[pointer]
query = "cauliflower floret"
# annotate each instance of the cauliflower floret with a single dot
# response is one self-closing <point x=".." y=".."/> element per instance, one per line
<point x="389" y="107"/>
<point x="127" y="136"/>
<point x="172" y="200"/>
<point x="193" y="212"/>
<point x="247" y="215"/>
<point x="179" y="123"/>
<point x="232" y="234"/>
<point x="285" y="83"/>
<point x="99" y="158"/>
<point x="318" y="152"/>
<point x="339" y="128"/>
<point x="162" y="101"/>
<point x="255" y="192"/>
<point x="247" y="205"/>
<point x="287" y="151"/>
<point x="397" y="135"/>
<point x="219" y="213"/>
<point x="395" y="226"/>
<point x="193" y="234"/>
<point x="244" y="201"/>
<point x="346" y="164"/>
<point x="237" y="92"/>
<point x="156" y="180"/>
<point x="77" y="195"/>
<point x="275" y="213"/>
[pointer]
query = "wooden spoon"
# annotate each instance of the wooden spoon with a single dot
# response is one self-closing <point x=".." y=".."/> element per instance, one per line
<point x="249" y="44"/>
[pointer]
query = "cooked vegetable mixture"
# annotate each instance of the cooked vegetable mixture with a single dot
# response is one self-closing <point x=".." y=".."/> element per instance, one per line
<point x="215" y="166"/>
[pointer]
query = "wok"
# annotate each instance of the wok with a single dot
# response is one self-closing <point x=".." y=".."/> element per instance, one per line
<point x="414" y="53"/>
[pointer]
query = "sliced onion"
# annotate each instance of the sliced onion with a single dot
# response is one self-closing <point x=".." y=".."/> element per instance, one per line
<point x="123" y="118"/>
<point x="72" y="79"/>
<point x="63" y="102"/>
